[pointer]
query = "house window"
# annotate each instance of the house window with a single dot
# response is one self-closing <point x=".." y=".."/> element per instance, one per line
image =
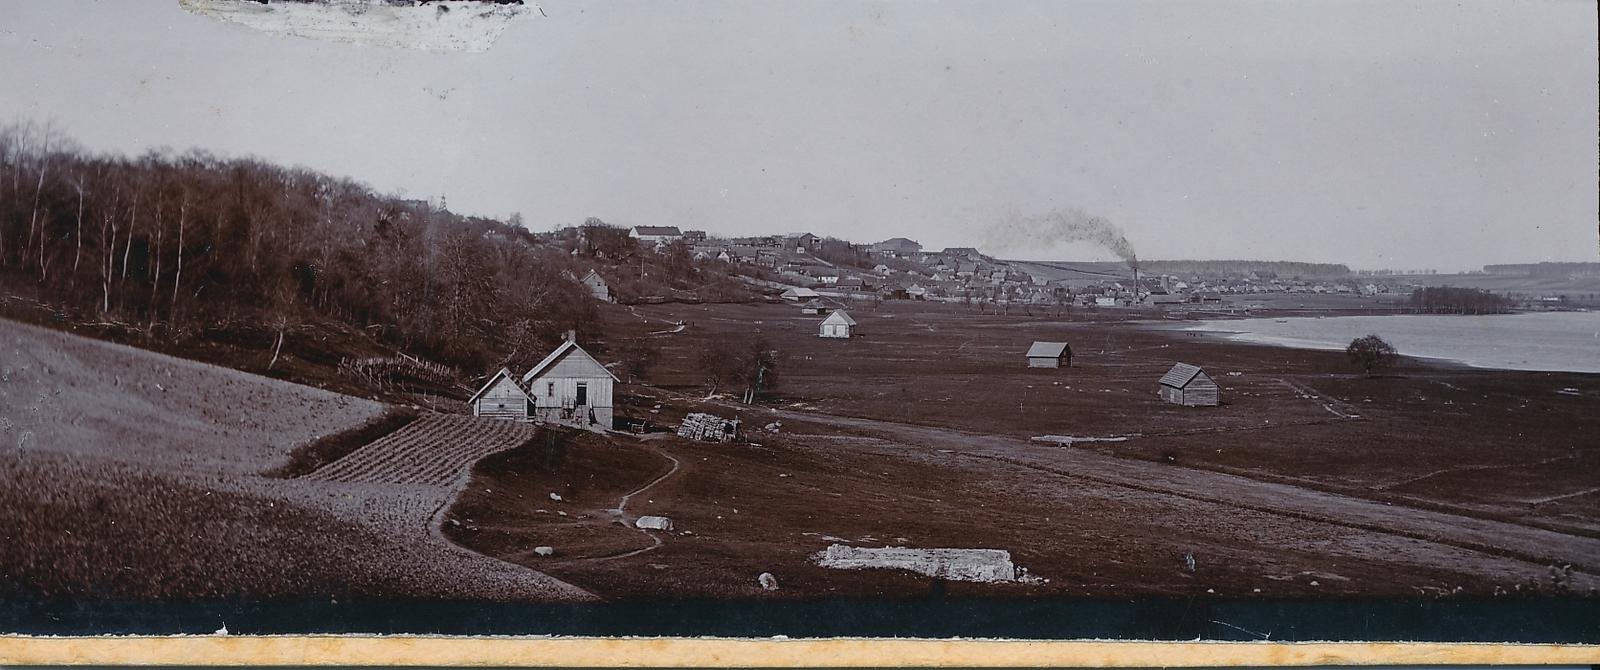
<point x="583" y="394"/>
<point x="551" y="389"/>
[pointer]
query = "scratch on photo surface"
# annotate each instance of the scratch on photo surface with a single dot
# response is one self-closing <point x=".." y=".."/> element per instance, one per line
<point x="446" y="25"/>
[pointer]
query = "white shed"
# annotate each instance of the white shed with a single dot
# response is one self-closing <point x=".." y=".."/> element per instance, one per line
<point x="501" y="398"/>
<point x="569" y="386"/>
<point x="838" y="324"/>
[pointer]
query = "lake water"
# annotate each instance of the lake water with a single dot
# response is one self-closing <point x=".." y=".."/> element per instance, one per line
<point x="1552" y="341"/>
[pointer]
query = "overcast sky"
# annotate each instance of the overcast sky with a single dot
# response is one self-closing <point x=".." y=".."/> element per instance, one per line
<point x="1378" y="134"/>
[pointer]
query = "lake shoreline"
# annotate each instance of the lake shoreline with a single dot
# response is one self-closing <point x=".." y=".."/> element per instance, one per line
<point x="1449" y="344"/>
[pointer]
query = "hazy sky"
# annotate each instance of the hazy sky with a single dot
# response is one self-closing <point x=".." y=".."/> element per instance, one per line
<point x="1378" y="134"/>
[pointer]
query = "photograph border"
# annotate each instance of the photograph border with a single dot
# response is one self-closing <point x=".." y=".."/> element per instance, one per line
<point x="222" y="650"/>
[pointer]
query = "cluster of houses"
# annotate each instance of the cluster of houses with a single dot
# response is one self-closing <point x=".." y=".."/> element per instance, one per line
<point x="904" y="270"/>
<point x="568" y="387"/>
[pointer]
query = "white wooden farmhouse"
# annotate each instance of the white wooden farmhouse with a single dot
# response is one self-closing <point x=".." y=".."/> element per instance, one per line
<point x="569" y="386"/>
<point x="597" y="286"/>
<point x="838" y="324"/>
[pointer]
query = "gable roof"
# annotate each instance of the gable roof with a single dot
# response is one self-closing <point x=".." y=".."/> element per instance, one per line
<point x="839" y="317"/>
<point x="801" y="292"/>
<point x="556" y="355"/>
<point x="594" y="274"/>
<point x="504" y="372"/>
<point x="813" y="303"/>
<point x="1180" y="375"/>
<point x="656" y="230"/>
<point x="1047" y="349"/>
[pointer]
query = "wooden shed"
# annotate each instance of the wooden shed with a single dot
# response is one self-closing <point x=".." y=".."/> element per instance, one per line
<point x="838" y="324"/>
<point x="502" y="398"/>
<point x="1189" y="386"/>
<point x="569" y="386"/>
<point x="814" y="307"/>
<point x="1049" y="355"/>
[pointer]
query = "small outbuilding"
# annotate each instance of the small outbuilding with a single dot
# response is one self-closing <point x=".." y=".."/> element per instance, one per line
<point x="1189" y="386"/>
<point x="814" y="307"/>
<point x="798" y="293"/>
<point x="502" y="398"/>
<point x="838" y="324"/>
<point x="1049" y="355"/>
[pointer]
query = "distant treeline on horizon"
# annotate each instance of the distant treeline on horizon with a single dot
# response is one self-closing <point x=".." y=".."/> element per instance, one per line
<point x="1184" y="267"/>
<point x="1547" y="269"/>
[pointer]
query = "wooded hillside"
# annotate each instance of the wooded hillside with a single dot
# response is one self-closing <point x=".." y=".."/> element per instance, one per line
<point x="171" y="242"/>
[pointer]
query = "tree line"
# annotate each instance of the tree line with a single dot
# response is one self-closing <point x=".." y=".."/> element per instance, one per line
<point x="172" y="242"/>
<point x="1453" y="300"/>
<point x="1283" y="269"/>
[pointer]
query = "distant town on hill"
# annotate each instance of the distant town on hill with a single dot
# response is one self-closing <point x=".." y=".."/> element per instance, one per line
<point x="165" y="245"/>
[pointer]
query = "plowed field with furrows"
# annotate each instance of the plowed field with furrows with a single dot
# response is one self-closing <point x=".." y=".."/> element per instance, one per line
<point x="434" y="450"/>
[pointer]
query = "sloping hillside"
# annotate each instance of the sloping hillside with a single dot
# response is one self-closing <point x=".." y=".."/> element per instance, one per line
<point x="131" y="474"/>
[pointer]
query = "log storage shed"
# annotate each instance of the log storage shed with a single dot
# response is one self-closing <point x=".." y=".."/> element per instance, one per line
<point x="1189" y="386"/>
<point x="838" y="324"/>
<point x="1049" y="355"/>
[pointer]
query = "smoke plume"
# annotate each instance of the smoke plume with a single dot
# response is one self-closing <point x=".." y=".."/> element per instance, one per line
<point x="1016" y="232"/>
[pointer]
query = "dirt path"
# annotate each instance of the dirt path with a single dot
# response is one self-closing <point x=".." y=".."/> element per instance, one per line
<point x="1498" y="538"/>
<point x="620" y="511"/>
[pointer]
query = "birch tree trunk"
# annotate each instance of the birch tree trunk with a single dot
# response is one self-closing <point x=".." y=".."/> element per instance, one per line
<point x="133" y="224"/>
<point x="33" y="217"/>
<point x="177" y="279"/>
<point x="155" y="278"/>
<point x="107" y="259"/>
<point x="77" y="255"/>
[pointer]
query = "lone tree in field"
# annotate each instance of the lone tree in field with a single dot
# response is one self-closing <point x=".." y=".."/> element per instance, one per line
<point x="637" y="356"/>
<point x="1371" y="353"/>
<point x="750" y="366"/>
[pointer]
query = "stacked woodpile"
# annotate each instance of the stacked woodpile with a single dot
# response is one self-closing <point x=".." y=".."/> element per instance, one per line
<point x="708" y="428"/>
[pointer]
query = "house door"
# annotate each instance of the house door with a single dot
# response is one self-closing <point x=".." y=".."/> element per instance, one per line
<point x="583" y="394"/>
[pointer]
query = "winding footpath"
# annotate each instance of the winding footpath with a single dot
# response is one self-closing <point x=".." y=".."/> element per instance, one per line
<point x="620" y="511"/>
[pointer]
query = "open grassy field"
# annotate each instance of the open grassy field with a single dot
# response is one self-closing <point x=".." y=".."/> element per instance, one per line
<point x="1310" y="480"/>
<point x="133" y="475"/>
<point x="1284" y="414"/>
<point x="136" y="475"/>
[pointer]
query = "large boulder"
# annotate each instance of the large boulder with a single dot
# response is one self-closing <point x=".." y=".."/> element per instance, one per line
<point x="653" y="523"/>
